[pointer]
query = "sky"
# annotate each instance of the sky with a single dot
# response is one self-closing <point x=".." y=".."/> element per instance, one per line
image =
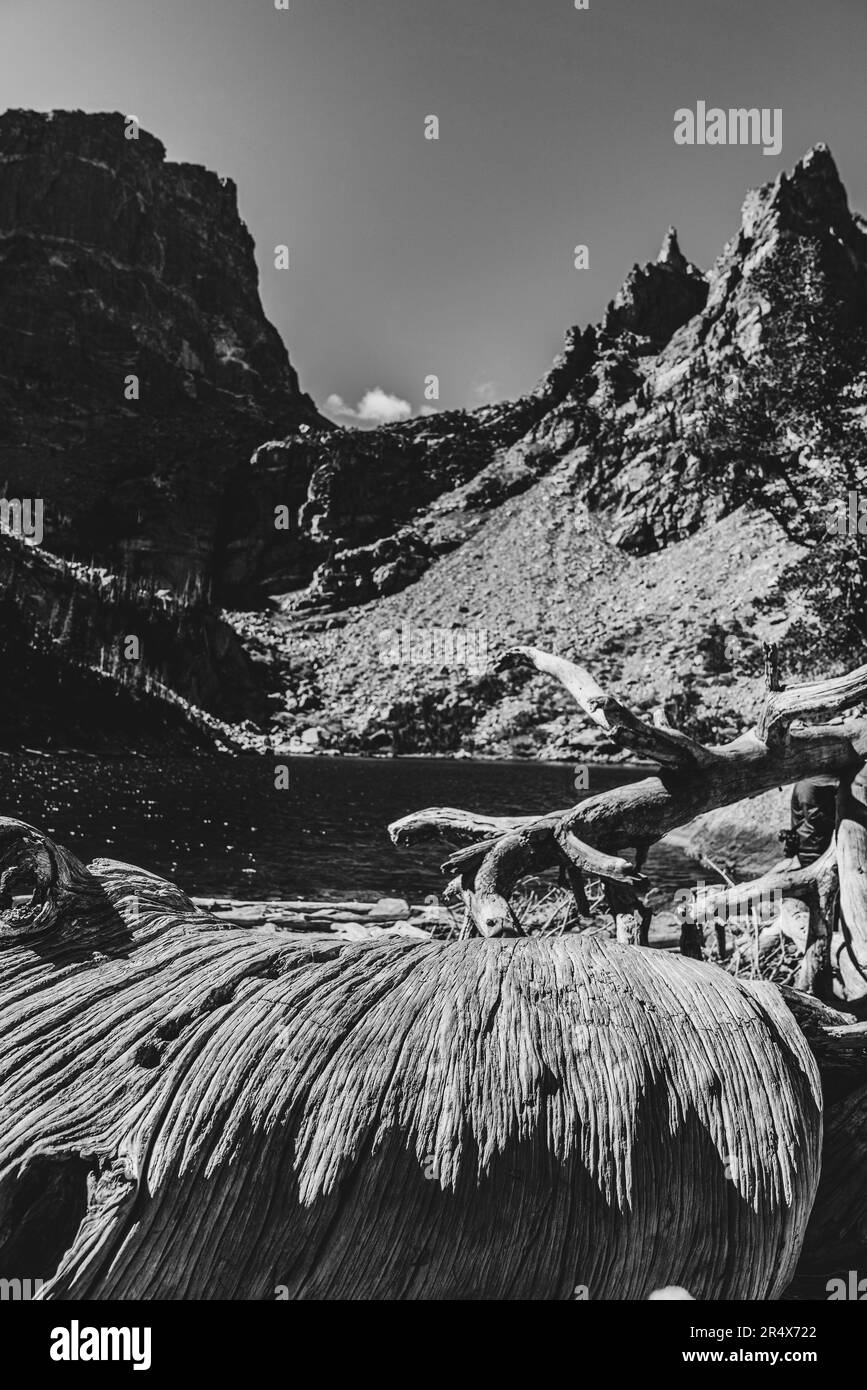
<point x="455" y="258"/>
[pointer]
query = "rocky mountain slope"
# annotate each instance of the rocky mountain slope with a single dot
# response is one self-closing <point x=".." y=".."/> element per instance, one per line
<point x="666" y="510"/>
<point x="658" y="506"/>
<point x="371" y="511"/>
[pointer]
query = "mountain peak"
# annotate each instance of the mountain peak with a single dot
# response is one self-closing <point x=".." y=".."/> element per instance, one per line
<point x="818" y="159"/>
<point x="656" y="299"/>
<point x="817" y="180"/>
<point x="808" y="199"/>
<point x="670" y="253"/>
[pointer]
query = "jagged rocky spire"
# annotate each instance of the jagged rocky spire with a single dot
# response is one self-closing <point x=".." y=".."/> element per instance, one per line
<point x="670" y="253"/>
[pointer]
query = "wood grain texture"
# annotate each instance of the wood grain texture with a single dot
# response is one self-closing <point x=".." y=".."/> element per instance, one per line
<point x="196" y="1111"/>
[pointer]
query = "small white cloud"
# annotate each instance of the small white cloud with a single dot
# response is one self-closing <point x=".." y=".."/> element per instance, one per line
<point x="376" y="407"/>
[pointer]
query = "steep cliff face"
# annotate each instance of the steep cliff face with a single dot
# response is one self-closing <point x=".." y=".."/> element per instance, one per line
<point x="792" y="282"/>
<point x="116" y="263"/>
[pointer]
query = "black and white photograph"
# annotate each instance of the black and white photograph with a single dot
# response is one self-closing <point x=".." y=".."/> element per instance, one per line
<point x="433" y="665"/>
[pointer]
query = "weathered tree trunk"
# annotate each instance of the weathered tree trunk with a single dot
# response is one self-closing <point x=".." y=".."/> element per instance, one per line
<point x="196" y="1111"/>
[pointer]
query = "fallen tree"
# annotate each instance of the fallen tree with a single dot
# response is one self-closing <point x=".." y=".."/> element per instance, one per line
<point x="195" y="1111"/>
<point x="788" y="742"/>
<point x="189" y="1110"/>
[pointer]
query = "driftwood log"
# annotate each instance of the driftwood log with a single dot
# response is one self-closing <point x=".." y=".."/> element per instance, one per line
<point x="191" y="1111"/>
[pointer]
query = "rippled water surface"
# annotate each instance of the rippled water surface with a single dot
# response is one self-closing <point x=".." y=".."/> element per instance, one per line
<point x="219" y="825"/>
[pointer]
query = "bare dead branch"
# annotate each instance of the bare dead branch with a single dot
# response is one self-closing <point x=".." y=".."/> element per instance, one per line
<point x="453" y="826"/>
<point x="660" y="744"/>
<point x="692" y="780"/>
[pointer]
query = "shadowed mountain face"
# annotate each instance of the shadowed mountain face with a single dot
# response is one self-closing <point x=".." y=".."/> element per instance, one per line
<point x="115" y="263"/>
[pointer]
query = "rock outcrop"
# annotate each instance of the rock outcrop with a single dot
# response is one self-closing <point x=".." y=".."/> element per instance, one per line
<point x="99" y="661"/>
<point x="115" y="263"/>
<point x="346" y="490"/>
<point x="798" y="240"/>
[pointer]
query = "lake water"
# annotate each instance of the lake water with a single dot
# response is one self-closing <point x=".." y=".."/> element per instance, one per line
<point x="219" y="826"/>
